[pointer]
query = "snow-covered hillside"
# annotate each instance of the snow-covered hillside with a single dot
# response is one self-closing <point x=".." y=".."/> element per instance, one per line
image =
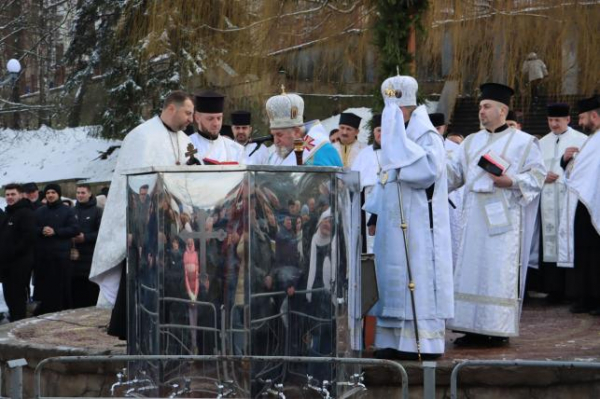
<point x="47" y="155"/>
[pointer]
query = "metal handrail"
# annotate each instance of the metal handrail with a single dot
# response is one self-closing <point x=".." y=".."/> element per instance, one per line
<point x="509" y="363"/>
<point x="203" y="358"/>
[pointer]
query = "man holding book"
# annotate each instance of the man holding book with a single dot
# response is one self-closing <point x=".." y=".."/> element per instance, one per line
<point x="503" y="171"/>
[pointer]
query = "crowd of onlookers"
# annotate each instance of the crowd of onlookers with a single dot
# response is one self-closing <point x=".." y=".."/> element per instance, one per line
<point x="48" y="240"/>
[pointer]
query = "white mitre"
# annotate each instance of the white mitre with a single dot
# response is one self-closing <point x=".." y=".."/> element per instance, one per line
<point x="285" y="110"/>
<point x="400" y="90"/>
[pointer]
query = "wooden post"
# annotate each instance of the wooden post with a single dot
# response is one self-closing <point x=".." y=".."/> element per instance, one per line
<point x="412" y="49"/>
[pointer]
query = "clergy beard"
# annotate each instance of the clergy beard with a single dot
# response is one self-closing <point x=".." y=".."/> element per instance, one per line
<point x="241" y="139"/>
<point x="205" y="132"/>
<point x="588" y="128"/>
<point x="283" y="152"/>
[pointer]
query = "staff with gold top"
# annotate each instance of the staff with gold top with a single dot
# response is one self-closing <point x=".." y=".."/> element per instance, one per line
<point x="411" y="200"/>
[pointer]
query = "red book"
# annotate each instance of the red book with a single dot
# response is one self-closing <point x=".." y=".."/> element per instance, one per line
<point x="493" y="164"/>
<point x="209" y="161"/>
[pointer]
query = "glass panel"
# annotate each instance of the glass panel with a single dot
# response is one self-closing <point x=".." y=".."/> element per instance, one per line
<point x="240" y="263"/>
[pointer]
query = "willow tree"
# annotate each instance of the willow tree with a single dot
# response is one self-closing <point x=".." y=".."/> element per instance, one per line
<point x="243" y="47"/>
<point x="490" y="39"/>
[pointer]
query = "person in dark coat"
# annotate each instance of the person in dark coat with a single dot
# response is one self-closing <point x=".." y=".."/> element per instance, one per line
<point x="84" y="292"/>
<point x="56" y="225"/>
<point x="31" y="192"/>
<point x="17" y="240"/>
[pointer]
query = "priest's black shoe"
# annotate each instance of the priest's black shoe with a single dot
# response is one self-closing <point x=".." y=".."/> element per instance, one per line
<point x="498" y="341"/>
<point x="393" y="354"/>
<point x="471" y="339"/>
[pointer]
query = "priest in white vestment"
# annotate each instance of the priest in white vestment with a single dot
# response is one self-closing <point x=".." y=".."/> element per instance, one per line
<point x="499" y="213"/>
<point x="368" y="164"/>
<point x="579" y="229"/>
<point x="411" y="190"/>
<point x="286" y="123"/>
<point x="211" y="145"/>
<point x="438" y="120"/>
<point x="241" y="126"/>
<point x="348" y="145"/>
<point x="159" y="141"/>
<point x="554" y="197"/>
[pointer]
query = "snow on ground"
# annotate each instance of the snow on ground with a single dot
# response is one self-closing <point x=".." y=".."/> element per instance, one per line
<point x="48" y="155"/>
<point x="2" y="203"/>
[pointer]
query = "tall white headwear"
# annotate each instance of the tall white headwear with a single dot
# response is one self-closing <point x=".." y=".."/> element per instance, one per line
<point x="285" y="110"/>
<point x="400" y="90"/>
<point x="397" y="150"/>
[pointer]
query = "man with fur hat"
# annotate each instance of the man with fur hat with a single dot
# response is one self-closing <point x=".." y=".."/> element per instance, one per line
<point x="579" y="229"/>
<point x="554" y="197"/>
<point x="212" y="146"/>
<point x="503" y="171"/>
<point x="286" y="122"/>
<point x="348" y="145"/>
<point x="411" y="202"/>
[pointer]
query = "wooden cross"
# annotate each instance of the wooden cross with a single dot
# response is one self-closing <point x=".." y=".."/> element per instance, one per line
<point x="191" y="151"/>
<point x="203" y="235"/>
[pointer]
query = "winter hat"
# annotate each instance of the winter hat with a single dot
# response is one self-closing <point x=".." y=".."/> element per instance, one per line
<point x="304" y="211"/>
<point x="53" y="186"/>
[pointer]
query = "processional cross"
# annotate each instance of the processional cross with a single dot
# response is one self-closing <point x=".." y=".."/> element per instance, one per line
<point x="191" y="151"/>
<point x="203" y="235"/>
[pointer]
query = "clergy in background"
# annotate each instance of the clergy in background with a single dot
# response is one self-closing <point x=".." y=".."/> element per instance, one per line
<point x="368" y="164"/>
<point x="159" y="141"/>
<point x="511" y="120"/>
<point x="579" y="229"/>
<point x="438" y="120"/>
<point x="348" y="145"/>
<point x="499" y="213"/>
<point x="554" y="197"/>
<point x="286" y="122"/>
<point x="211" y="145"/>
<point x="241" y="125"/>
<point x="412" y="190"/>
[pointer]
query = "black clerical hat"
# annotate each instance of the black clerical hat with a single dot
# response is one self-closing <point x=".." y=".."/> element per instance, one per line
<point x="209" y="102"/>
<point x="589" y="104"/>
<point x="350" y="119"/>
<point x="376" y="121"/>
<point x="496" y="92"/>
<point x="437" y="119"/>
<point x="241" y="118"/>
<point x="558" y="110"/>
<point x="226" y="131"/>
<point x="511" y="116"/>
